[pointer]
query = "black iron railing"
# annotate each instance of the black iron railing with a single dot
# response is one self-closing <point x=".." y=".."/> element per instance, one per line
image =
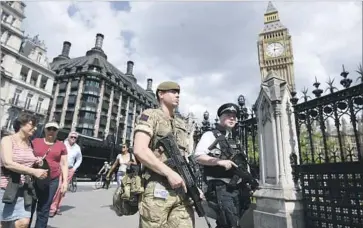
<point x="330" y="170"/>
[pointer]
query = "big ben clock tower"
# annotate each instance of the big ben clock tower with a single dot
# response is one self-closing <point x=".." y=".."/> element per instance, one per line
<point x="275" y="48"/>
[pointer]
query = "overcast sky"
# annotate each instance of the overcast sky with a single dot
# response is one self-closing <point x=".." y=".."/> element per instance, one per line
<point x="209" y="48"/>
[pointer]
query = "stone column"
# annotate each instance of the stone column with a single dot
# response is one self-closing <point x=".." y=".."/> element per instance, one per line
<point x="78" y="104"/>
<point x="54" y="101"/>
<point x="29" y="75"/>
<point x="109" y="114"/>
<point x="118" y="117"/>
<point x="99" y="108"/>
<point x="65" y="104"/>
<point x="133" y="124"/>
<point x="126" y="117"/>
<point x="278" y="202"/>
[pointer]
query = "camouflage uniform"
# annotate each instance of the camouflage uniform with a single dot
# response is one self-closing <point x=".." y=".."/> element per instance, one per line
<point x="171" y="210"/>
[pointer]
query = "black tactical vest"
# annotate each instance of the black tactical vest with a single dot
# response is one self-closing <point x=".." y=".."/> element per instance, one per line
<point x="228" y="148"/>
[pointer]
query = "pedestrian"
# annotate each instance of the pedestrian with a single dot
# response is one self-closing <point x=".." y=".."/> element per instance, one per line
<point x="55" y="153"/>
<point x="103" y="173"/>
<point x="160" y="206"/>
<point x="17" y="160"/>
<point x="74" y="161"/>
<point x="214" y="151"/>
<point x="124" y="160"/>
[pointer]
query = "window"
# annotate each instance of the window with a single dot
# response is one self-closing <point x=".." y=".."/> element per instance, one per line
<point x="4" y="16"/>
<point x="39" y="105"/>
<point x="91" y="99"/>
<point x="43" y="82"/>
<point x="13" y="21"/>
<point x="89" y="115"/>
<point x="87" y="132"/>
<point x="28" y="100"/>
<point x="39" y="57"/>
<point x="130" y="119"/>
<point x="16" y="96"/>
<point x="6" y="38"/>
<point x="92" y="83"/>
<point x="33" y="80"/>
<point x="128" y="133"/>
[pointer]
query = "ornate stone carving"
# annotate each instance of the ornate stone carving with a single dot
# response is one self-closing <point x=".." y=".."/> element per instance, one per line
<point x="265" y="111"/>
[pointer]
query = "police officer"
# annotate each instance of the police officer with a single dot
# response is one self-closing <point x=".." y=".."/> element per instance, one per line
<point x="160" y="206"/>
<point x="212" y="152"/>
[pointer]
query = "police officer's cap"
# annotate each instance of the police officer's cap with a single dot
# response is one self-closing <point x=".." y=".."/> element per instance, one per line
<point x="229" y="107"/>
<point x="165" y="86"/>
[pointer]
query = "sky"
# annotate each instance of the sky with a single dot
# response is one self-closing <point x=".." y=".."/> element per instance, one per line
<point x="209" y="48"/>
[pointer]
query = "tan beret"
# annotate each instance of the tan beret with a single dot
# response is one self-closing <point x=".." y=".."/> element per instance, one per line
<point x="164" y="86"/>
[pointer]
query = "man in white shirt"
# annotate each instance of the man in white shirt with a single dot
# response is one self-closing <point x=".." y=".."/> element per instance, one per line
<point x="74" y="161"/>
<point x="212" y="151"/>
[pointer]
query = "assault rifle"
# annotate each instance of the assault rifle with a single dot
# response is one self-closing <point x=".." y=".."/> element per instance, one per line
<point x="179" y="163"/>
<point x="241" y="171"/>
<point x="239" y="159"/>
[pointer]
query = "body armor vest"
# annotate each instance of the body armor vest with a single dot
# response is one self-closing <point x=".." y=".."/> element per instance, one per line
<point x="227" y="149"/>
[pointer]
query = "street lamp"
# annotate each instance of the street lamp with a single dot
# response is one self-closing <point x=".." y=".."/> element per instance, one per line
<point x="216" y="121"/>
<point x="206" y="123"/>
<point x="243" y="115"/>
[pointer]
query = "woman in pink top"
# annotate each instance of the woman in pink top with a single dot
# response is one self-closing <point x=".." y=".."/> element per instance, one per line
<point x="17" y="156"/>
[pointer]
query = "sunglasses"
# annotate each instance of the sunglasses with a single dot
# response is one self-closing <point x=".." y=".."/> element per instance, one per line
<point x="52" y="129"/>
<point x="73" y="137"/>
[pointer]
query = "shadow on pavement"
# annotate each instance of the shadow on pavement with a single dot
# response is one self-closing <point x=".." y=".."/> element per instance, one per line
<point x="52" y="226"/>
<point x="65" y="208"/>
<point x="103" y="206"/>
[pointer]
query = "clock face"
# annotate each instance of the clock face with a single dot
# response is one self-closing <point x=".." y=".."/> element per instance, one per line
<point x="275" y="49"/>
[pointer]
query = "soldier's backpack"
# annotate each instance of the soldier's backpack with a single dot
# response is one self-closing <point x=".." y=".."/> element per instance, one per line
<point x="126" y="196"/>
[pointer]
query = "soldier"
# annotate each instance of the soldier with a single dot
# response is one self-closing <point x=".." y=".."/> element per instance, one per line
<point x="211" y="152"/>
<point x="160" y="206"/>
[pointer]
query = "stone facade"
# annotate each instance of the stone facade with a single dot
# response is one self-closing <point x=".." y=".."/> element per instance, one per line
<point x="27" y="80"/>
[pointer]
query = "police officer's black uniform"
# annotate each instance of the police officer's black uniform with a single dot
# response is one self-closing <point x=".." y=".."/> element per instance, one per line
<point x="229" y="199"/>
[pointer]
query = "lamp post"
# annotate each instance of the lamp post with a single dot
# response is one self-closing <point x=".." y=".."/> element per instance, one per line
<point x="206" y="123"/>
<point x="216" y="122"/>
<point x="243" y="114"/>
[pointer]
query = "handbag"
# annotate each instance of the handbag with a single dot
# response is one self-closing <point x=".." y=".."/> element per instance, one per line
<point x="11" y="191"/>
<point x="42" y="184"/>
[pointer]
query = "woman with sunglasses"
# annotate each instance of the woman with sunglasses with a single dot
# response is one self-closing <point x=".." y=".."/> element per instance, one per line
<point x="55" y="154"/>
<point x="17" y="156"/>
<point x="124" y="160"/>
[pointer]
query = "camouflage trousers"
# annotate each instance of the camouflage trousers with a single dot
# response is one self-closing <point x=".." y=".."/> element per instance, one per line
<point x="171" y="212"/>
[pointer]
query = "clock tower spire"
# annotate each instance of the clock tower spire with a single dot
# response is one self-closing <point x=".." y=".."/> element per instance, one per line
<point x="275" y="48"/>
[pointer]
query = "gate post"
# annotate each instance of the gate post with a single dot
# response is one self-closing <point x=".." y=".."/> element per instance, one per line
<point x="278" y="202"/>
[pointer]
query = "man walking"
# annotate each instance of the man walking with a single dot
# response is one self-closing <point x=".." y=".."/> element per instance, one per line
<point x="160" y="205"/>
<point x="74" y="161"/>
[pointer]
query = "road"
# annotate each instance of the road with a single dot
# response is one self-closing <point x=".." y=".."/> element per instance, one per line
<point x="89" y="208"/>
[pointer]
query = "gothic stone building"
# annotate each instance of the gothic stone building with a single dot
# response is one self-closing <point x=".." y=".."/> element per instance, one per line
<point x="94" y="98"/>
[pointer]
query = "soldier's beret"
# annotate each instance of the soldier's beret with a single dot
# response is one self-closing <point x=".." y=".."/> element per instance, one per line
<point x="229" y="107"/>
<point x="165" y="86"/>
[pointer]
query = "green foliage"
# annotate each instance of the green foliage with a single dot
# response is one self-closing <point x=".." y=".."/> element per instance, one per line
<point x="318" y="155"/>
